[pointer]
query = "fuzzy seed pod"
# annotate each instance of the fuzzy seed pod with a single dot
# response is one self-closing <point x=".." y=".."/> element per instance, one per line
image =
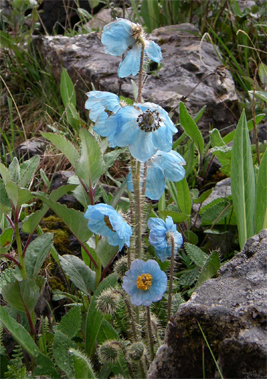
<point x="121" y="267"/>
<point x="108" y="301"/>
<point x="109" y="352"/>
<point x="136" y="351"/>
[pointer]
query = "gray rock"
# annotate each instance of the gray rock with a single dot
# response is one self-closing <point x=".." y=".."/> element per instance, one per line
<point x="232" y="311"/>
<point x="191" y="72"/>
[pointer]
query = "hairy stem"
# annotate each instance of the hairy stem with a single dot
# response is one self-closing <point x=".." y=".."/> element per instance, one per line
<point x="171" y="278"/>
<point x="149" y="332"/>
<point x="140" y="88"/>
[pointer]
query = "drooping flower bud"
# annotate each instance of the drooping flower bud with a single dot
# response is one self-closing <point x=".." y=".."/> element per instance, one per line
<point x="108" y="301"/>
<point x="136" y="351"/>
<point x="109" y="352"/>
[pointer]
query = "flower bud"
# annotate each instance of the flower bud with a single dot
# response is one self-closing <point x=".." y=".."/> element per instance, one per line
<point x="109" y="352"/>
<point x="136" y="351"/>
<point x="108" y="301"/>
<point x="121" y="266"/>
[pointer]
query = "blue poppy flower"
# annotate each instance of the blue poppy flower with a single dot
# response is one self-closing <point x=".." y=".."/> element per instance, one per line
<point x="162" y="235"/>
<point x="101" y="105"/>
<point x="160" y="167"/>
<point x="144" y="282"/>
<point x="122" y="34"/>
<point x="145" y="128"/>
<point x="105" y="221"/>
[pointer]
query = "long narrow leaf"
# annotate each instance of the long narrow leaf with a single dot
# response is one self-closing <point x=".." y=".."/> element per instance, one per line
<point x="261" y="196"/>
<point x="190" y="128"/>
<point x="243" y="182"/>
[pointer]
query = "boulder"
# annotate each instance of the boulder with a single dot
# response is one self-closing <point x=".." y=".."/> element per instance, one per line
<point x="232" y="312"/>
<point x="190" y="71"/>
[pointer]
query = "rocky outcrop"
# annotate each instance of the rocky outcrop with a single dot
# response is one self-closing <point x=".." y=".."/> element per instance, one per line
<point x="232" y="312"/>
<point x="190" y="71"/>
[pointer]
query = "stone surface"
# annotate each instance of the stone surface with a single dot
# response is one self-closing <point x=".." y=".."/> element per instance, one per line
<point x="191" y="71"/>
<point x="232" y="311"/>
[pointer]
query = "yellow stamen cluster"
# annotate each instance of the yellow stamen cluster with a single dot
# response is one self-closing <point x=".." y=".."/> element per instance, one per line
<point x="107" y="222"/>
<point x="144" y="281"/>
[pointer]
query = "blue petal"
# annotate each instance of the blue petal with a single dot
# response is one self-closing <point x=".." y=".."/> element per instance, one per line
<point x="154" y="222"/>
<point x="142" y="147"/>
<point x="171" y="164"/>
<point x="131" y="64"/>
<point x="117" y="37"/>
<point x="153" y="51"/>
<point x="155" y="182"/>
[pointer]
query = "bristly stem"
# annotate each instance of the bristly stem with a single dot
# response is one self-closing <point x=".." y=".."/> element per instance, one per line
<point x="120" y="344"/>
<point x="136" y="166"/>
<point x="149" y="332"/>
<point x="140" y="88"/>
<point x="171" y="278"/>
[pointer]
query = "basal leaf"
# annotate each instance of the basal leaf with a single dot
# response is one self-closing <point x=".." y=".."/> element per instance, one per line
<point x="105" y="252"/>
<point x="61" y="353"/>
<point x="45" y="367"/>
<point x="210" y="268"/>
<point x="190" y="128"/>
<point x="82" y="365"/>
<point x="70" y="324"/>
<point x="17" y="195"/>
<point x="243" y="182"/>
<point x="196" y="254"/>
<point x="22" y="296"/>
<point x="90" y="165"/>
<point x="27" y="170"/>
<point x="261" y="196"/>
<point x="94" y="316"/>
<point x="80" y="274"/>
<point x="65" y="146"/>
<point x="67" y="89"/>
<point x="18" y="332"/>
<point x="36" y="254"/>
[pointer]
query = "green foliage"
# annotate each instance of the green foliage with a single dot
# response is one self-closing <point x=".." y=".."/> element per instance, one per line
<point x="70" y="324"/>
<point x="22" y="296"/>
<point x="45" y="366"/>
<point x="261" y="198"/>
<point x="18" y="332"/>
<point x="61" y="352"/>
<point x="243" y="182"/>
<point x="36" y="254"/>
<point x="16" y="369"/>
<point x="82" y="365"/>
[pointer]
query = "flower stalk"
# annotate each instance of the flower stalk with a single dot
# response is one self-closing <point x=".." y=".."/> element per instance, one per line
<point x="149" y="333"/>
<point x="171" y="277"/>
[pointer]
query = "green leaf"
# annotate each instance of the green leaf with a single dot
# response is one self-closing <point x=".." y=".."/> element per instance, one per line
<point x="90" y="165"/>
<point x="191" y="237"/>
<point x="243" y="182"/>
<point x="218" y="211"/>
<point x="93" y="3"/>
<point x="202" y="197"/>
<point x="21" y="295"/>
<point x="45" y="367"/>
<point x="5" y="240"/>
<point x="27" y="171"/>
<point x="70" y="324"/>
<point x="14" y="169"/>
<point x="65" y="146"/>
<point x="72" y="218"/>
<point x="190" y="159"/>
<point x="67" y="90"/>
<point x="83" y="13"/>
<point x="110" y="157"/>
<point x="81" y="275"/>
<point x="105" y="251"/>
<point x="4" y="172"/>
<point x="263" y="73"/>
<point x="176" y="216"/>
<point x="184" y="197"/>
<point x="189" y="277"/>
<point x="64" y="360"/>
<point x="196" y="254"/>
<point x="30" y="222"/>
<point x="36" y="254"/>
<point x="261" y="196"/>
<point x="200" y="114"/>
<point x="230" y="136"/>
<point x="262" y="95"/>
<point x="150" y="13"/>
<point x="210" y="268"/>
<point x="82" y="365"/>
<point x="18" y="332"/>
<point x="7" y="276"/>
<point x="94" y="316"/>
<point x="216" y="139"/>
<point x="190" y="128"/>
<point x="17" y="195"/>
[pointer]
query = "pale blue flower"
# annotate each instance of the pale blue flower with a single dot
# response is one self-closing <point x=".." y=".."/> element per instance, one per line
<point x="144" y="282"/>
<point x="105" y="221"/>
<point x="160" y="167"/>
<point x="122" y="34"/>
<point x="163" y="235"/>
<point x="144" y="128"/>
<point x="101" y="105"/>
